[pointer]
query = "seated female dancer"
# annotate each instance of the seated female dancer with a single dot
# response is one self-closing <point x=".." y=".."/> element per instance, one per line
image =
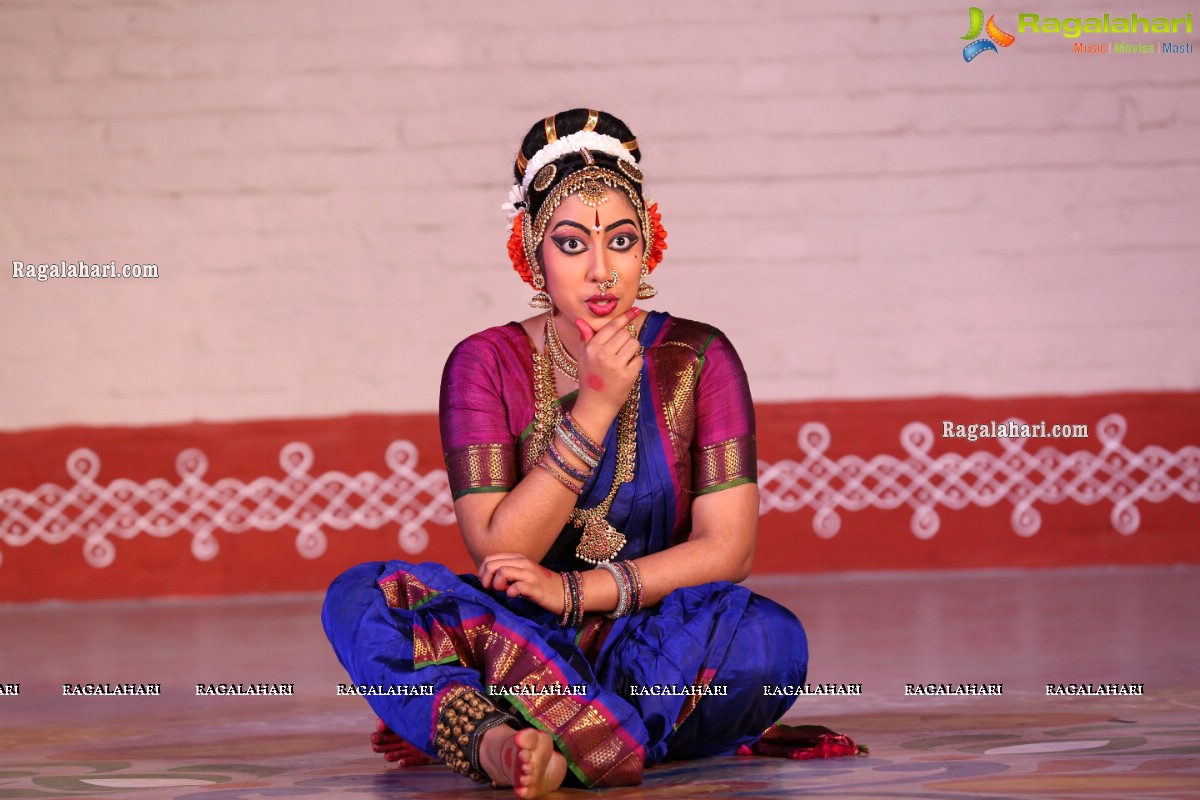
<point x="602" y="463"/>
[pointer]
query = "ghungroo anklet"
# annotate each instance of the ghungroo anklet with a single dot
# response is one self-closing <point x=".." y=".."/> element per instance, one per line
<point x="463" y="717"/>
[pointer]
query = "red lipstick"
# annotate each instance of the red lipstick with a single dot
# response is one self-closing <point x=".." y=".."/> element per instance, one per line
<point x="602" y="304"/>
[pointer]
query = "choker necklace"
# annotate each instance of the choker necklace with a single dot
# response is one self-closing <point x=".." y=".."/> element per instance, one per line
<point x="559" y="356"/>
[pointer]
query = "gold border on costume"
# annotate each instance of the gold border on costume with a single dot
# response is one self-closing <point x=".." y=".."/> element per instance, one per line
<point x="725" y="464"/>
<point x="481" y="468"/>
<point x="596" y="749"/>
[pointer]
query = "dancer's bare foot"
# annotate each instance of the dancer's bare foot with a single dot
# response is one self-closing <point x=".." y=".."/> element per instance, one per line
<point x="397" y="750"/>
<point x="525" y="760"/>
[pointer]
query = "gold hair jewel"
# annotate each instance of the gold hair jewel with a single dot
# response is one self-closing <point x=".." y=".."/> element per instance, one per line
<point x="630" y="170"/>
<point x="522" y="162"/>
<point x="593" y="118"/>
<point x="631" y="145"/>
<point x="587" y="156"/>
<point x="551" y="134"/>
<point x="545" y="177"/>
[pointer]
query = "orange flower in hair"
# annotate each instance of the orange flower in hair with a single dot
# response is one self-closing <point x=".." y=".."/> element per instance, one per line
<point x="516" y="250"/>
<point x="658" y="238"/>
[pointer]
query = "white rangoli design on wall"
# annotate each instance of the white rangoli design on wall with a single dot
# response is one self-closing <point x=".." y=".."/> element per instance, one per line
<point x="1020" y="474"/>
<point x="298" y="500"/>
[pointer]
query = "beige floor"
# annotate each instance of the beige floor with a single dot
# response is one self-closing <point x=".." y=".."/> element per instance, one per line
<point x="1021" y="629"/>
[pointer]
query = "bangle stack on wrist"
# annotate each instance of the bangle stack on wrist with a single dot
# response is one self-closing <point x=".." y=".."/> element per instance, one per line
<point x="563" y="479"/>
<point x="639" y="594"/>
<point x="579" y="442"/>
<point x="565" y="465"/>
<point x="629" y="587"/>
<point x="572" y="599"/>
<point x="568" y="607"/>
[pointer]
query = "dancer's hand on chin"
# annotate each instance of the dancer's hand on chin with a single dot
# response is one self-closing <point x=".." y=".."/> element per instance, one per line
<point x="609" y="360"/>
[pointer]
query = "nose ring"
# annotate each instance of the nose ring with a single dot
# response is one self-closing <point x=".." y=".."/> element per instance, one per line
<point x="606" y="285"/>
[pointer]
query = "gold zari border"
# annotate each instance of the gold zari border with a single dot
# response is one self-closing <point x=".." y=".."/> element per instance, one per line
<point x="481" y="466"/>
<point x="733" y="460"/>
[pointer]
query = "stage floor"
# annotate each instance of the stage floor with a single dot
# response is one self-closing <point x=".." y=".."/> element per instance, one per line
<point x="1022" y="629"/>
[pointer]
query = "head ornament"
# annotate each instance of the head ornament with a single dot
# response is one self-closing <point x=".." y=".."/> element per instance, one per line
<point x="591" y="183"/>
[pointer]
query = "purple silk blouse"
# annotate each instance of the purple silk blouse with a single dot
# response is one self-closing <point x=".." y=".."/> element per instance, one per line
<point x="702" y="418"/>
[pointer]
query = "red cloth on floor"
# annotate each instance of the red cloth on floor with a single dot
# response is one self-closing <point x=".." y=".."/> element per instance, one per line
<point x="802" y="742"/>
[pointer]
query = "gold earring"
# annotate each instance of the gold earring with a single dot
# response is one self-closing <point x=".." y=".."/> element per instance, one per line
<point x="540" y="299"/>
<point x="645" y="291"/>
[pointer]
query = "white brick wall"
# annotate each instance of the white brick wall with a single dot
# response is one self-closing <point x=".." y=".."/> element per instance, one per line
<point x="863" y="212"/>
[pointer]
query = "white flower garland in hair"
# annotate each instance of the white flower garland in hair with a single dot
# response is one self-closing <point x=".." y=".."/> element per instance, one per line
<point x="571" y="143"/>
<point x="510" y="208"/>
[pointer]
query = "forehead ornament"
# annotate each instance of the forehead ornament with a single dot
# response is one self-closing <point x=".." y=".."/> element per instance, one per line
<point x="592" y="193"/>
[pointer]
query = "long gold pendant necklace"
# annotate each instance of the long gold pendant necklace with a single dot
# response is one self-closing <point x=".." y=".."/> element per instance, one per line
<point x="600" y="541"/>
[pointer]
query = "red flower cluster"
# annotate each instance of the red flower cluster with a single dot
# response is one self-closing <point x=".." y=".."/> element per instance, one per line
<point x="658" y="239"/>
<point x="516" y="250"/>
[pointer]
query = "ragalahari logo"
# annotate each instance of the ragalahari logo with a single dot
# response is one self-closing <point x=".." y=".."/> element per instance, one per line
<point x="995" y="36"/>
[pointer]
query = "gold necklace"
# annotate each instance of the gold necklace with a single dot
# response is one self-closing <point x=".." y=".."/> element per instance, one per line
<point x="600" y="541"/>
<point x="559" y="356"/>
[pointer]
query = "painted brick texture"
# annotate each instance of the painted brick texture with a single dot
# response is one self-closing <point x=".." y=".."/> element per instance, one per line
<point x="864" y="213"/>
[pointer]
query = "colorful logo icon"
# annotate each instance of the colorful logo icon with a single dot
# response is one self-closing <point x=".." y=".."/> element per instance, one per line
<point x="995" y="36"/>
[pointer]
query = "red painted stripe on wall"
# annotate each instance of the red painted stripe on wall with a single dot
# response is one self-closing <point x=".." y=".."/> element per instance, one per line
<point x="285" y="505"/>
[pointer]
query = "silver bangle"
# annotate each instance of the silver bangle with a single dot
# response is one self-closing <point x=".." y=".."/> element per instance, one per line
<point x="622" y="588"/>
<point x="575" y="448"/>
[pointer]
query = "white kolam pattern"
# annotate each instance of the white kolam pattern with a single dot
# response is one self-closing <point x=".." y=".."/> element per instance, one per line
<point x="299" y="500"/>
<point x="1019" y="474"/>
<point x="308" y="503"/>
